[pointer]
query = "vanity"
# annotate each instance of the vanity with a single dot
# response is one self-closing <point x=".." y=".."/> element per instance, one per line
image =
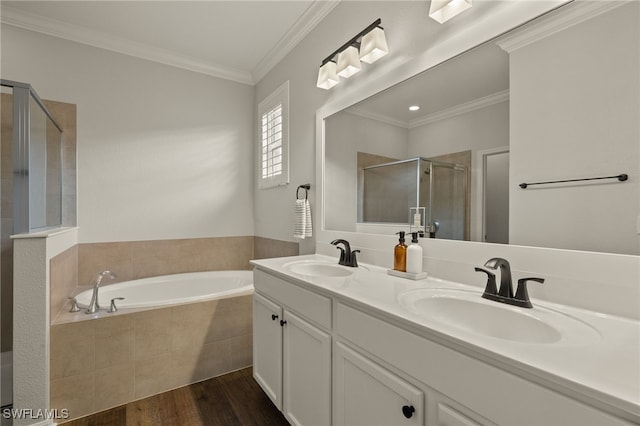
<point x="343" y="346"/>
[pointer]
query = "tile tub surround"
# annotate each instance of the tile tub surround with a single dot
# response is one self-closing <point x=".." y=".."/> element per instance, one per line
<point x="64" y="279"/>
<point x="142" y="259"/>
<point x="104" y="363"/>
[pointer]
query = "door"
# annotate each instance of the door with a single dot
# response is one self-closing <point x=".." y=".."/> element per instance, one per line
<point x="267" y="347"/>
<point x="367" y="394"/>
<point x="306" y="372"/>
<point x="496" y="197"/>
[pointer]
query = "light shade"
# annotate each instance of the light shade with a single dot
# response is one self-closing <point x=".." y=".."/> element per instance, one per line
<point x="373" y="46"/>
<point x="443" y="10"/>
<point x="348" y="62"/>
<point x="327" y="77"/>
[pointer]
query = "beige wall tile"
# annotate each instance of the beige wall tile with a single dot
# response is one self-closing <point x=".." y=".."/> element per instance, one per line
<point x="63" y="278"/>
<point x="190" y="324"/>
<point x="114" y="341"/>
<point x="94" y="258"/>
<point x="114" y="386"/>
<point x="75" y="393"/>
<point x="241" y="348"/>
<point x="72" y="349"/>
<point x="152" y="375"/>
<point x="266" y="248"/>
<point x="152" y="333"/>
<point x="210" y="360"/>
<point x="233" y="317"/>
<point x="226" y="253"/>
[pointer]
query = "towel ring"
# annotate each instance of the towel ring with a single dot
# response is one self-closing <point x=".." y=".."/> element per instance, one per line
<point x="306" y="188"/>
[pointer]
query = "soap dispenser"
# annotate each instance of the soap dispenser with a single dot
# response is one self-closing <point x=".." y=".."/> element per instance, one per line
<point x="400" y="254"/>
<point x="414" y="255"/>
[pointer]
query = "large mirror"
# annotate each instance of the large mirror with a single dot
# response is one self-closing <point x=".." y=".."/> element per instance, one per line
<point x="563" y="107"/>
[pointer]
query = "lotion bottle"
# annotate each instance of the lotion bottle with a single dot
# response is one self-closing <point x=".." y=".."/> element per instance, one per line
<point x="400" y="254"/>
<point x="414" y="255"/>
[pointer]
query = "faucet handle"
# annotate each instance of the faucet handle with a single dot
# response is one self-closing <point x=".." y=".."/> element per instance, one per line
<point x="353" y="260"/>
<point x="491" y="287"/>
<point x="74" y="304"/>
<point x="113" y="308"/>
<point x="521" y="292"/>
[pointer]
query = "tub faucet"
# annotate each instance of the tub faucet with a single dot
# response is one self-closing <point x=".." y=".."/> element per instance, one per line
<point x="93" y="305"/>
<point x="347" y="256"/>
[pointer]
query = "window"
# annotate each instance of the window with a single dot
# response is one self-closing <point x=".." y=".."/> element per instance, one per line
<point x="273" y="166"/>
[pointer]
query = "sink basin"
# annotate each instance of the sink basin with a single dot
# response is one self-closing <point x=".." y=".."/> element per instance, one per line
<point x="319" y="269"/>
<point x="469" y="312"/>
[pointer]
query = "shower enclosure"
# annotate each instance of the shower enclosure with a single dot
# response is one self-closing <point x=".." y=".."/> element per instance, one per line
<point x="387" y="191"/>
<point x="31" y="194"/>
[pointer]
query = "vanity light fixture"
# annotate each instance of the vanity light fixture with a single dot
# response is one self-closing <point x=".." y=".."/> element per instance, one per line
<point x="368" y="46"/>
<point x="348" y="62"/>
<point x="414" y="108"/>
<point x="443" y="10"/>
<point x="327" y="76"/>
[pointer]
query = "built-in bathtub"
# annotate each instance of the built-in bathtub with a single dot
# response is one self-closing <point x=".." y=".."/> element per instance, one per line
<point x="168" y="332"/>
<point x="172" y="289"/>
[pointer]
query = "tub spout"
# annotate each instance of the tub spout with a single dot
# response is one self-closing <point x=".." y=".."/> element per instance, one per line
<point x="93" y="305"/>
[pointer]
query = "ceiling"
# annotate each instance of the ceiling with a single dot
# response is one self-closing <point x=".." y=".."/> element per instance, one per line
<point x="235" y="40"/>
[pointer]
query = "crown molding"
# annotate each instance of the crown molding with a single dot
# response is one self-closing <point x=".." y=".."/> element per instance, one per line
<point x="80" y="34"/>
<point x="309" y="19"/>
<point x="558" y="20"/>
<point x="377" y="117"/>
<point x="464" y="108"/>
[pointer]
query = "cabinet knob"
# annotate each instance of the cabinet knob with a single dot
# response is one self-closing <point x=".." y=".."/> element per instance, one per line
<point x="408" y="411"/>
<point x="274" y="317"/>
<point x="282" y="323"/>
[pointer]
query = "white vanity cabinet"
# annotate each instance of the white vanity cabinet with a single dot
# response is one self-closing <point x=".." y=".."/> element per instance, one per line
<point x="292" y="349"/>
<point x="326" y="359"/>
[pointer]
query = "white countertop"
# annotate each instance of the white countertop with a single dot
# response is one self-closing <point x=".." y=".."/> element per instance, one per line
<point x="603" y="371"/>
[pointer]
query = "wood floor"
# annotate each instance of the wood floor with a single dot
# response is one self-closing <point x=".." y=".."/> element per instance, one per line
<point x="232" y="399"/>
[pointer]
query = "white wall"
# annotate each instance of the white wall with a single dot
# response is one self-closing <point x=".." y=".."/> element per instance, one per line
<point x="348" y="134"/>
<point x="477" y="130"/>
<point x="560" y="130"/>
<point x="162" y="152"/>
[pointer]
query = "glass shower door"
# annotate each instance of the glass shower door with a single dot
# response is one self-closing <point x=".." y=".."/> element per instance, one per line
<point x="449" y="200"/>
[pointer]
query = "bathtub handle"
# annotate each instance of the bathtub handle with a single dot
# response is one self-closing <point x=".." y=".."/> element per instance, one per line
<point x="113" y="308"/>
<point x="274" y="317"/>
<point x="74" y="305"/>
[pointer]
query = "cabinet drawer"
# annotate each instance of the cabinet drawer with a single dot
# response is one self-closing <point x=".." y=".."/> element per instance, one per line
<point x="311" y="305"/>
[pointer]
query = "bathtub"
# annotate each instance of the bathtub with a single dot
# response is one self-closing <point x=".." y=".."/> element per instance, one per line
<point x="172" y="289"/>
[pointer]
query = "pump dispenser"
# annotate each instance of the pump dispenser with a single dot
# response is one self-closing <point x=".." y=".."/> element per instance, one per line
<point x="414" y="255"/>
<point x="400" y="254"/>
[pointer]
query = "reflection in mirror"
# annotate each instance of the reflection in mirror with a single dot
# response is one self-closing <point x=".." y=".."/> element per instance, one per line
<point x="562" y="106"/>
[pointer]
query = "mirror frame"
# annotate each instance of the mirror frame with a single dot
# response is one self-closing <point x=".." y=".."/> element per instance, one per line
<point x="508" y="16"/>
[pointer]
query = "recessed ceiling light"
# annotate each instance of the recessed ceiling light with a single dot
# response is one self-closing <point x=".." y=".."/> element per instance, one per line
<point x="414" y="108"/>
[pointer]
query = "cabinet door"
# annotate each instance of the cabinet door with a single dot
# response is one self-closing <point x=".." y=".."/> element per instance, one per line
<point x="306" y="372"/>
<point x="267" y="347"/>
<point x="367" y="394"/>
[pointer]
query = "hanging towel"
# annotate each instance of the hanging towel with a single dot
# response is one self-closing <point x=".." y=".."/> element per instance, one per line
<point x="303" y="225"/>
